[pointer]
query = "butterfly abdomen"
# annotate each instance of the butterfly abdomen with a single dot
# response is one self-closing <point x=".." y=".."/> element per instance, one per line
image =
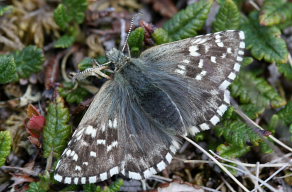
<point x="152" y="99"/>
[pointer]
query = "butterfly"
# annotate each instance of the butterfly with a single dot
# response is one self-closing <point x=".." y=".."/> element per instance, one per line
<point x="133" y="125"/>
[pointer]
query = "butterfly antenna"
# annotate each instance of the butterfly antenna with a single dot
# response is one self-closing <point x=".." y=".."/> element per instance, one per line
<point x="130" y="29"/>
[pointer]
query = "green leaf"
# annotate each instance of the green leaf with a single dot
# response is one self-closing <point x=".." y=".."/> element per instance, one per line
<point x="286" y="70"/>
<point x="57" y="131"/>
<point x="136" y="41"/>
<point x="247" y="61"/>
<point x="64" y="42"/>
<point x="265" y="148"/>
<point x="187" y="22"/>
<point x="256" y="90"/>
<point x="238" y="133"/>
<point x="61" y="17"/>
<point x="41" y="186"/>
<point x="70" y="11"/>
<point x="161" y="36"/>
<point x="76" y="9"/>
<point x="115" y="187"/>
<point x="5" y="146"/>
<point x="35" y="187"/>
<point x="28" y="61"/>
<point x="87" y="62"/>
<point x="232" y="151"/>
<point x="275" y="12"/>
<point x="228" y="17"/>
<point x="71" y="95"/>
<point x="286" y="114"/>
<point x="252" y="111"/>
<point x="7" y="69"/>
<point x="89" y="188"/>
<point x="264" y="42"/>
<point x="5" y="9"/>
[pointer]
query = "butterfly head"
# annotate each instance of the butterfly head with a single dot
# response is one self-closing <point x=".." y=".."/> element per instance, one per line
<point x="117" y="58"/>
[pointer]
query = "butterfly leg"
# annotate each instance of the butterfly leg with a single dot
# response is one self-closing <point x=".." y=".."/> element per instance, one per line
<point x="94" y="71"/>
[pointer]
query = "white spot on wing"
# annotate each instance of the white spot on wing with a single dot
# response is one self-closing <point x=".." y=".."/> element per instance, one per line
<point x="194" y="130"/>
<point x="239" y="58"/>
<point x="193" y="51"/>
<point x="236" y="67"/>
<point x="103" y="127"/>
<point x="149" y="172"/>
<point x="90" y="131"/>
<point x="199" y="40"/>
<point x="201" y="63"/>
<point x="204" y="126"/>
<point x="110" y="123"/>
<point x="213" y="59"/>
<point x="92" y="154"/>
<point x="227" y="96"/>
<point x="68" y="153"/>
<point x="232" y="76"/>
<point x="75" y="157"/>
<point x="175" y="144"/>
<point x="83" y="180"/>
<point x="113" y="144"/>
<point x="224" y="85"/>
<point x="67" y="180"/>
<point x="161" y="165"/>
<point x="103" y="176"/>
<point x="241" y="35"/>
<point x="182" y="67"/>
<point x="240" y="52"/>
<point x="134" y="175"/>
<point x="242" y="45"/>
<point x="201" y="75"/>
<point x="214" y="120"/>
<point x="186" y="61"/>
<point x="168" y="157"/>
<point x="77" y="168"/>
<point x="221" y="110"/>
<point x="100" y="141"/>
<point x="115" y="123"/>
<point x="92" y="179"/>
<point x="58" y="177"/>
<point x="229" y="50"/>
<point x="85" y="163"/>
<point x="114" y="171"/>
<point x="76" y="180"/>
<point x="172" y="149"/>
<point x="220" y="44"/>
<point x="179" y="71"/>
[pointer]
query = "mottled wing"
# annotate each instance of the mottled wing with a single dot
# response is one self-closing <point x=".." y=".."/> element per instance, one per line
<point x="210" y="63"/>
<point x="93" y="149"/>
<point x="111" y="139"/>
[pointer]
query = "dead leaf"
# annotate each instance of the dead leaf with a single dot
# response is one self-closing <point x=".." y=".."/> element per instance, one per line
<point x="164" y="7"/>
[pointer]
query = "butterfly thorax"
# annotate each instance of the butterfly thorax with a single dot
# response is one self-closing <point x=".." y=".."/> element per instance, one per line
<point x="117" y="58"/>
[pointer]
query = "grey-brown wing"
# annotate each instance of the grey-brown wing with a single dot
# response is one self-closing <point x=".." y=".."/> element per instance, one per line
<point x="209" y="63"/>
<point x="114" y="137"/>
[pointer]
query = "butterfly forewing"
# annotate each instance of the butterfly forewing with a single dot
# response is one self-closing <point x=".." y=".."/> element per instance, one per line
<point x="114" y="137"/>
<point x="210" y="63"/>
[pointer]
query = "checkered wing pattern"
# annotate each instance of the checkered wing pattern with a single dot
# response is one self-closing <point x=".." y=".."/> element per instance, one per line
<point x="133" y="124"/>
<point x="111" y="139"/>
<point x="210" y="63"/>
